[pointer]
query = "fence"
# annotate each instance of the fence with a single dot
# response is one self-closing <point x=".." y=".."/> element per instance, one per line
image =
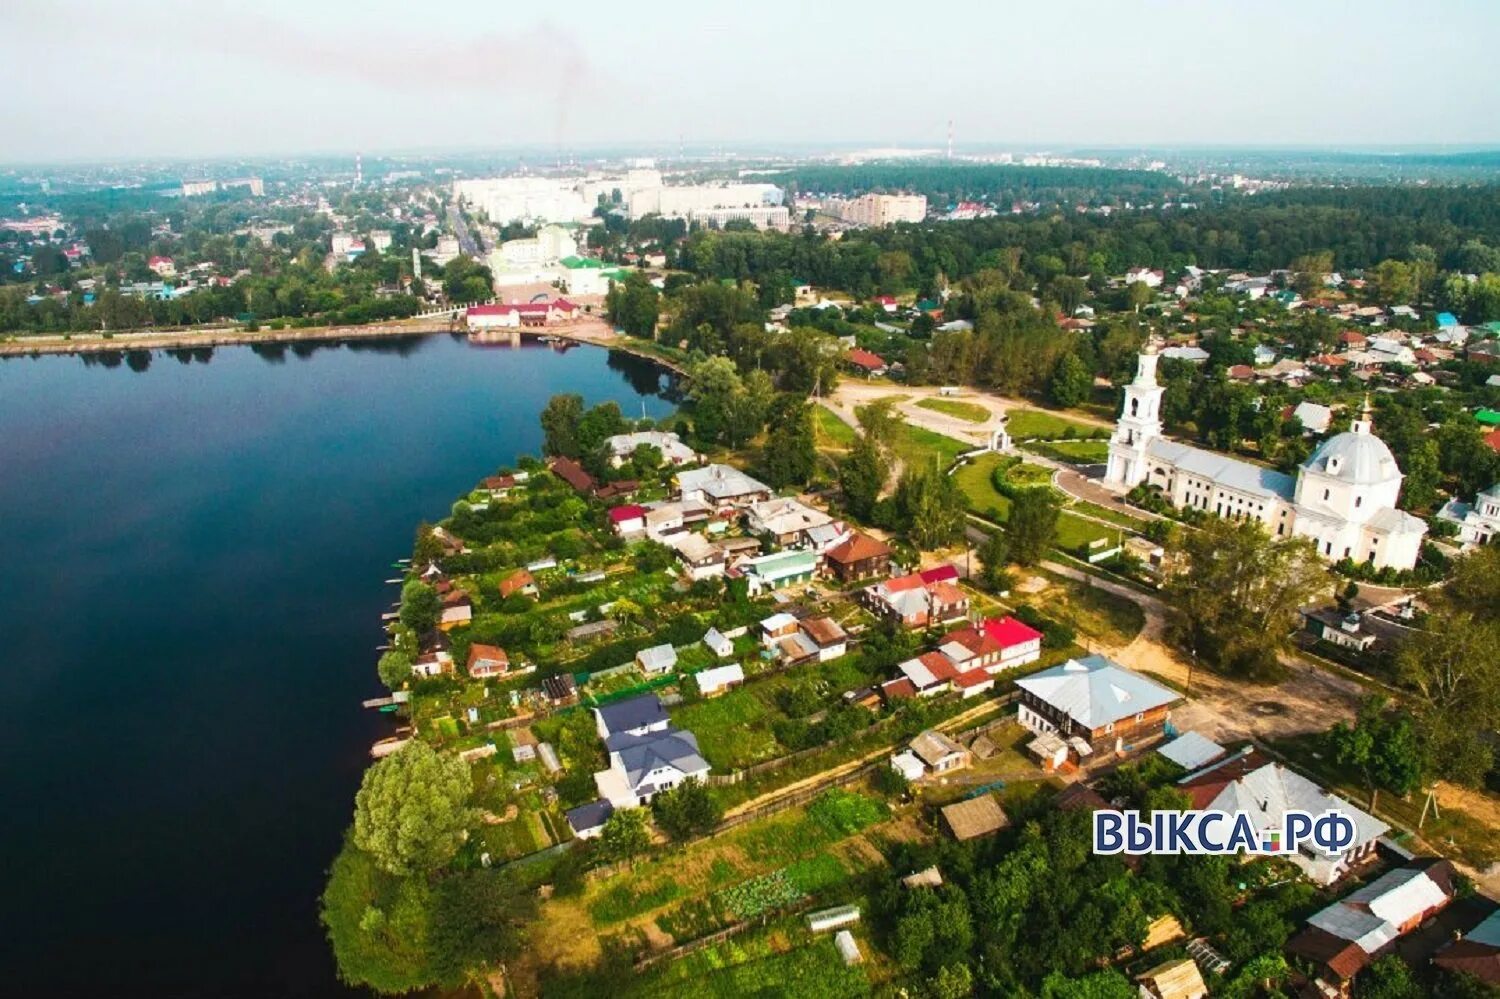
<point x="719" y="936"/>
<point x="796" y="798"/>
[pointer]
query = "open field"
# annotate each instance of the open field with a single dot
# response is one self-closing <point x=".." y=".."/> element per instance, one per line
<point x="956" y="408"/>
<point x="832" y="432"/>
<point x="1078" y="452"/>
<point x="1024" y="423"/>
<point x="918" y="445"/>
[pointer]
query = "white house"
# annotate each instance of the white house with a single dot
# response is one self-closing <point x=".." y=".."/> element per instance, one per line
<point x="1343" y="497"/>
<point x="1250" y="783"/>
<point x="1479" y="522"/>
<point x="1145" y="276"/>
<point x="701" y="558"/>
<point x="721" y="486"/>
<point x="718" y="643"/>
<point x="788" y="520"/>
<point x="673" y="451"/>
<point x="1314" y="417"/>
<point x="657" y="659"/>
<point x="717" y="679"/>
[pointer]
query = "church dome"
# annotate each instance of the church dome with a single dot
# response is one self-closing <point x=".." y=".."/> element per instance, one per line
<point x="1360" y="459"/>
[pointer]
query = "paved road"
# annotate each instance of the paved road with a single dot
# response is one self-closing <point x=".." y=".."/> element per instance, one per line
<point x="467" y="244"/>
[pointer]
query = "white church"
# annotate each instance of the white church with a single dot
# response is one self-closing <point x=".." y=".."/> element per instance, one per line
<point x="1343" y="497"/>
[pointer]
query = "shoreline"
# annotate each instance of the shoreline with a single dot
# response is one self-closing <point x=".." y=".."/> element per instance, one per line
<point x="595" y="334"/>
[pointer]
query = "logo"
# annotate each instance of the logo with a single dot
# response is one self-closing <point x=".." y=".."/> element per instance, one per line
<point x="1202" y="831"/>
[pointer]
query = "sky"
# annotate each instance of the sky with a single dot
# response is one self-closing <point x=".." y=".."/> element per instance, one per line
<point x="126" y="79"/>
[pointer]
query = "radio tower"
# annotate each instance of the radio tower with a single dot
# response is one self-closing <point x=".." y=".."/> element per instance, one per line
<point x="359" y="170"/>
<point x="950" y="138"/>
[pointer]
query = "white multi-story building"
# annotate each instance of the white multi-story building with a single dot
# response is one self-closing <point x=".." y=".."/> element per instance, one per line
<point x="547" y="248"/>
<point x="1343" y="497"/>
<point x="884" y="209"/>
<point x="521" y="199"/>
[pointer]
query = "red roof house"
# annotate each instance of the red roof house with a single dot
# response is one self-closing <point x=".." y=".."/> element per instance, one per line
<point x="867" y="361"/>
<point x="487" y="660"/>
<point x="940" y="574"/>
<point x="627" y="517"/>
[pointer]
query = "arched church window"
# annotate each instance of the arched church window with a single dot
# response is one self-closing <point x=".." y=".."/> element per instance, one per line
<point x="1135" y="407"/>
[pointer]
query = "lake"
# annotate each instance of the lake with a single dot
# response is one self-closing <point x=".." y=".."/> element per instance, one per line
<point x="194" y="548"/>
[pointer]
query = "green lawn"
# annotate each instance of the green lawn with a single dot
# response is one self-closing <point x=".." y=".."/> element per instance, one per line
<point x="1074" y="533"/>
<point x="832" y="431"/>
<point x="976" y="482"/>
<point x="916" y="445"/>
<point x="1024" y="423"/>
<point x="972" y="412"/>
<point x="733" y="729"/>
<point x="1090" y="452"/>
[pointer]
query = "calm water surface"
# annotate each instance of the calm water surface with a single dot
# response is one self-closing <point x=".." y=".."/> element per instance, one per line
<point x="192" y="550"/>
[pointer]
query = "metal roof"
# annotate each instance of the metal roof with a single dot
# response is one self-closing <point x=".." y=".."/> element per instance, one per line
<point x="1095" y="691"/>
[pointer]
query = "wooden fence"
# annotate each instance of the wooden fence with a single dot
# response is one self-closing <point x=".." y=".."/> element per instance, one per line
<point x="683" y="950"/>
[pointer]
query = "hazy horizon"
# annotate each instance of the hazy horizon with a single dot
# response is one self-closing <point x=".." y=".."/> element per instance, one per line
<point x="111" y="82"/>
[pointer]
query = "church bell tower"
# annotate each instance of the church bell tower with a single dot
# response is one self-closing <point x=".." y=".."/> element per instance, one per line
<point x="1140" y="422"/>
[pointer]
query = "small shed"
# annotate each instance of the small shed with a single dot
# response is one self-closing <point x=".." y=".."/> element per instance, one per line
<point x="1179" y="979"/>
<point x="548" y="756"/>
<point x="523" y="745"/>
<point x="718" y="643"/>
<point x="908" y="766"/>
<point x="832" y="919"/>
<point x="1049" y="749"/>
<point x="657" y="659"/>
<point x="718" y="679"/>
<point x="929" y="877"/>
<point x="1191" y="750"/>
<point x="848" y="949"/>
<point x="939" y="752"/>
<point x="976" y="817"/>
<point x="983" y="747"/>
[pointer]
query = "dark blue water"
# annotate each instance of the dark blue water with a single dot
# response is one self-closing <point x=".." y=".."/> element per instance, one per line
<point x="191" y="561"/>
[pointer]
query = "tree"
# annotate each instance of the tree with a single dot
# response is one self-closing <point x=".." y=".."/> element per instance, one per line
<point x="1382" y="745"/>
<point x="994" y="562"/>
<point x="790" y="456"/>
<point x="880" y="422"/>
<point x="1236" y="593"/>
<point x="1419" y="489"/>
<point x="625" y="835"/>
<point x="930" y="507"/>
<point x="560" y="422"/>
<point x="410" y="813"/>
<point x="376" y="924"/>
<point x="862" y="474"/>
<point x="953" y="981"/>
<point x="1070" y="382"/>
<point x="1032" y="524"/>
<point x="1453" y="665"/>
<point x="394" y="669"/>
<point x="1308" y="272"/>
<point x="634" y="305"/>
<point x="420" y="606"/>
<point x="687" y="810"/>
<point x="598" y="425"/>
<point x="477" y="918"/>
<point x="1389" y="977"/>
<point x="712" y="384"/>
<point x="1107" y="984"/>
<point x="1473" y="588"/>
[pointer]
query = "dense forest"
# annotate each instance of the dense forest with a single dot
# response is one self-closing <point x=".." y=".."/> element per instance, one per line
<point x="946" y="184"/>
